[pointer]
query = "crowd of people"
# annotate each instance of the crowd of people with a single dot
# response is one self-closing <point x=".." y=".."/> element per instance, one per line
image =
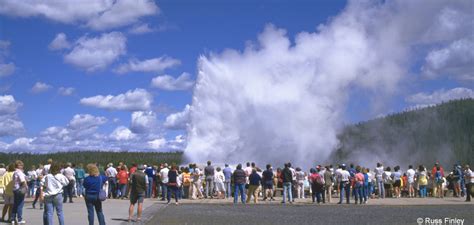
<point x="55" y="184"/>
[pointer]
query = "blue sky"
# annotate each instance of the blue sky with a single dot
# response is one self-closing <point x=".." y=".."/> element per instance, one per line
<point x="175" y="30"/>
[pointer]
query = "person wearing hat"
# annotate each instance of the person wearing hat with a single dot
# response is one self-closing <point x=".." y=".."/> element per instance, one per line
<point x="138" y="190"/>
<point x="344" y="184"/>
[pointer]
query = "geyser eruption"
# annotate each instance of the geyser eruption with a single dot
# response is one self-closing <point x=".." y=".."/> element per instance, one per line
<point x="280" y="101"/>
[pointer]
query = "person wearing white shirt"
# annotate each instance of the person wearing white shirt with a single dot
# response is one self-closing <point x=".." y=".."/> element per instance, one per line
<point x="69" y="173"/>
<point x="53" y="185"/>
<point x="164" y="180"/>
<point x="111" y="174"/>
<point x="469" y="179"/>
<point x="219" y="179"/>
<point x="31" y="178"/>
<point x="379" y="179"/>
<point x="20" y="188"/>
<point x="411" y="181"/>
<point x="344" y="184"/>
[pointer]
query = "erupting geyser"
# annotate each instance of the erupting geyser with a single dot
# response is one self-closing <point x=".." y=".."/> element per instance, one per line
<point x="281" y="100"/>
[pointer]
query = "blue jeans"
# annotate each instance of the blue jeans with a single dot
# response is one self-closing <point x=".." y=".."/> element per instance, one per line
<point x="345" y="190"/>
<point x="149" y="189"/>
<point x="80" y="186"/>
<point x="51" y="203"/>
<point x="366" y="191"/>
<point x="422" y="191"/>
<point x="68" y="191"/>
<point x="381" y="188"/>
<point x="31" y="188"/>
<point x="287" y="193"/>
<point x="175" y="190"/>
<point x="358" y="190"/>
<point x="123" y="190"/>
<point x="239" y="188"/>
<point x="92" y="201"/>
<point x="164" y="191"/>
<point x="18" y="202"/>
<point x="112" y="187"/>
<point x="228" y="191"/>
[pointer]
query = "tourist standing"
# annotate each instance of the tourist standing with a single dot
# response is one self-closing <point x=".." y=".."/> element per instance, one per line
<point x="422" y="179"/>
<point x="209" y="175"/>
<point x="69" y="173"/>
<point x="228" y="178"/>
<point x="219" y="179"/>
<point x="93" y="185"/>
<point x="379" y="170"/>
<point x="287" y="177"/>
<point x="54" y="184"/>
<point x="164" y="181"/>
<point x="20" y="189"/>
<point x="328" y="182"/>
<point x="32" y="178"/>
<point x="138" y="190"/>
<point x="254" y="184"/>
<point x="358" y="185"/>
<point x="317" y="186"/>
<point x="344" y="184"/>
<point x="300" y="178"/>
<point x="173" y="184"/>
<point x="411" y="181"/>
<point x="469" y="179"/>
<point x="7" y="180"/>
<point x="150" y="173"/>
<point x="111" y="174"/>
<point x="239" y="184"/>
<point x="80" y="175"/>
<point x="267" y="181"/>
<point x="122" y="177"/>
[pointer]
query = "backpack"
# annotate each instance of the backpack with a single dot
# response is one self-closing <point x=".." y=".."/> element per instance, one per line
<point x="438" y="178"/>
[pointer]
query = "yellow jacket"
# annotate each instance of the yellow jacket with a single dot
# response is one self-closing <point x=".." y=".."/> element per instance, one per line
<point x="7" y="182"/>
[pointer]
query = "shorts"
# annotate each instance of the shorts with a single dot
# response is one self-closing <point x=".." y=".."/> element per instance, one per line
<point x="397" y="183"/>
<point x="136" y="197"/>
<point x="8" y="199"/>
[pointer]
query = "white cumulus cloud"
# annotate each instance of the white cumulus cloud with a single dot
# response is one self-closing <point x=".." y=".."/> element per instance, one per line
<point x="60" y="42"/>
<point x="455" y="60"/>
<point x="95" y="14"/>
<point x="143" y="121"/>
<point x="141" y="29"/>
<point x="169" y="83"/>
<point x="179" y="120"/>
<point x="40" y="87"/>
<point x="97" y="53"/>
<point x="439" y="96"/>
<point x="66" y="91"/>
<point x="132" y="100"/>
<point x="148" y="65"/>
<point x="122" y="133"/>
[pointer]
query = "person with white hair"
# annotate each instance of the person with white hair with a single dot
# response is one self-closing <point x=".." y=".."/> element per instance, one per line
<point x="111" y="174"/>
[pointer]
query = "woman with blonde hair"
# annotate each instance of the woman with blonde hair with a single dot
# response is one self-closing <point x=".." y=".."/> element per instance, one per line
<point x="20" y="189"/>
<point x="53" y="184"/>
<point x="93" y="184"/>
